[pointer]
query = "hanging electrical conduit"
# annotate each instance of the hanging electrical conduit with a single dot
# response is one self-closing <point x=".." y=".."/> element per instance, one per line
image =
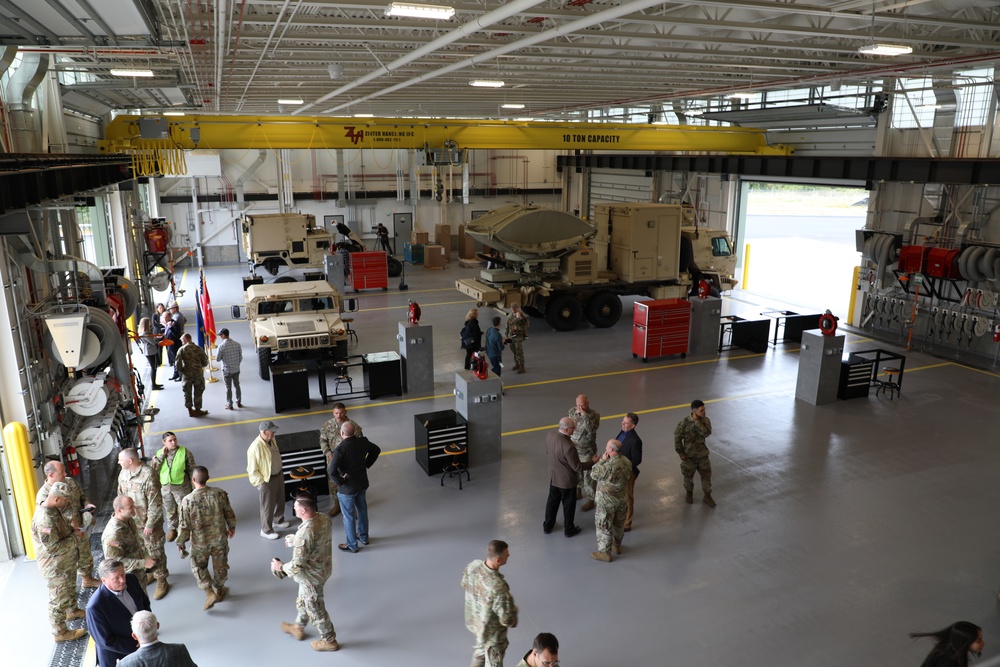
<point x="977" y="264"/>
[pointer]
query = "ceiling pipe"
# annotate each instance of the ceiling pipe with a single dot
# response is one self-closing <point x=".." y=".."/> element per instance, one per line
<point x="263" y="51"/>
<point x="464" y="30"/>
<point x="560" y="31"/>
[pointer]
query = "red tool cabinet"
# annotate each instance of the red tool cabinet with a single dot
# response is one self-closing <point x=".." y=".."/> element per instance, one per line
<point x="369" y="270"/>
<point x="660" y="328"/>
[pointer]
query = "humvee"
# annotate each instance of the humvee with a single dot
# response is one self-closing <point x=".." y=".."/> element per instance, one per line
<point x="292" y="321"/>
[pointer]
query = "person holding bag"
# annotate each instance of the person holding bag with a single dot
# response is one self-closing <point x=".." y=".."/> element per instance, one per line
<point x="472" y="336"/>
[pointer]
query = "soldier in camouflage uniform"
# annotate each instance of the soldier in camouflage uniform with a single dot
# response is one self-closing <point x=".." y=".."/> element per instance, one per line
<point x="190" y="362"/>
<point x="122" y="539"/>
<point x="57" y="554"/>
<point x="174" y="465"/>
<point x="544" y="652"/>
<point x="79" y="512"/>
<point x="584" y="437"/>
<point x="689" y="441"/>
<point x="611" y="473"/>
<point x="489" y="606"/>
<point x="329" y="438"/>
<point x="138" y="482"/>
<point x="207" y="519"/>
<point x="311" y="566"/>
<point x="517" y="332"/>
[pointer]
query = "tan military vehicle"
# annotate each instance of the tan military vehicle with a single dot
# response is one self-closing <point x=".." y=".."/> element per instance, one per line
<point x="288" y="246"/>
<point x="563" y="268"/>
<point x="295" y="321"/>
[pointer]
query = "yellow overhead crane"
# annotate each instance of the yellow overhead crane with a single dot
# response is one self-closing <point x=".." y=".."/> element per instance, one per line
<point x="157" y="143"/>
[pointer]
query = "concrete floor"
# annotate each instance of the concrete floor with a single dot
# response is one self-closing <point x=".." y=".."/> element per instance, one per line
<point x="839" y="528"/>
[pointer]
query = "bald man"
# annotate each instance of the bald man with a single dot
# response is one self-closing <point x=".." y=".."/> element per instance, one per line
<point x="565" y="469"/>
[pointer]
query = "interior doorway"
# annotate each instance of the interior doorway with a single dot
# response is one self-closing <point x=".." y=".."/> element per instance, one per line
<point x="802" y="243"/>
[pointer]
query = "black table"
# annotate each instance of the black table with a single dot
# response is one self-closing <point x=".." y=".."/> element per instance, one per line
<point x="289" y="386"/>
<point x="749" y="334"/>
<point x="791" y="324"/>
<point x="879" y="357"/>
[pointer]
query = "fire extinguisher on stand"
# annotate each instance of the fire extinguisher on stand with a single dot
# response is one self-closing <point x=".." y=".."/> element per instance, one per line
<point x="72" y="461"/>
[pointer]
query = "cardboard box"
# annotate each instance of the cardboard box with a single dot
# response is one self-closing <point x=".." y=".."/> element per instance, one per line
<point x="442" y="237"/>
<point x="420" y="238"/>
<point x="434" y="257"/>
<point x="466" y="247"/>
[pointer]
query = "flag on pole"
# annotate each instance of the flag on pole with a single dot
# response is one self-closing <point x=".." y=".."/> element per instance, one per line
<point x="208" y="317"/>
<point x="199" y="321"/>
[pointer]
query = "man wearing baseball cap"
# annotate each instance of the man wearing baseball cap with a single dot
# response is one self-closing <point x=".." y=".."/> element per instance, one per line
<point x="264" y="470"/>
<point x="56" y="551"/>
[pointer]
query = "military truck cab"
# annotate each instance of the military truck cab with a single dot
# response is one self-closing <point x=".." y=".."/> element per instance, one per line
<point x="287" y="246"/>
<point x="295" y="321"/>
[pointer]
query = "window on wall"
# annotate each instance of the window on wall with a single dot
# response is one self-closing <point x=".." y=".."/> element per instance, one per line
<point x="85" y="223"/>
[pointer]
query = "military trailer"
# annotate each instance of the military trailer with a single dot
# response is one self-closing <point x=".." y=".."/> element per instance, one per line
<point x="295" y="321"/>
<point x="563" y="268"/>
<point x="288" y="246"/>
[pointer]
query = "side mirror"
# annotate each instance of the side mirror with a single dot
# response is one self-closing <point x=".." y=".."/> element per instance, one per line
<point x="351" y="306"/>
<point x="235" y="312"/>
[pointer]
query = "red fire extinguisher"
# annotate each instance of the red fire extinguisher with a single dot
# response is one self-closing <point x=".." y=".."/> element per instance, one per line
<point x="996" y="333"/>
<point x="72" y="461"/>
<point x="156" y="240"/>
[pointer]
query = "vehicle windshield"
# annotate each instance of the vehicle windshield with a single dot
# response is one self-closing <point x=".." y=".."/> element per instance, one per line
<point x="316" y="303"/>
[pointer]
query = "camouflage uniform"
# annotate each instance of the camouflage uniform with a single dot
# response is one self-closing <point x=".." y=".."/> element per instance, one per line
<point x="122" y="540"/>
<point x="77" y="501"/>
<point x="689" y="441"/>
<point x="517" y="331"/>
<point x="173" y="494"/>
<point x="585" y="439"/>
<point x="489" y="611"/>
<point x="206" y="520"/>
<point x="329" y="439"/>
<point x="143" y="487"/>
<point x="311" y="566"/>
<point x="611" y="476"/>
<point x="57" y="553"/>
<point x="190" y="362"/>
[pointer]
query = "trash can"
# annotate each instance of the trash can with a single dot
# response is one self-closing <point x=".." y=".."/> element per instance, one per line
<point x="290" y="386"/>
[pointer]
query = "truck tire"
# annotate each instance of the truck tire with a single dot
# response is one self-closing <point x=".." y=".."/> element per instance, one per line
<point x="264" y="363"/>
<point x="564" y="312"/>
<point x="272" y="265"/>
<point x="604" y="309"/>
<point x="395" y="267"/>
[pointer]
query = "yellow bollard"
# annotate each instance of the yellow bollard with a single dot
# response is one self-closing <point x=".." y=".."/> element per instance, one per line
<point x="22" y="475"/>
<point x="746" y="267"/>
<point x="854" y="295"/>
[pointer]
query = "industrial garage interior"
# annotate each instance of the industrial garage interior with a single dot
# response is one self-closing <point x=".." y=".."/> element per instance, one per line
<point x="594" y="162"/>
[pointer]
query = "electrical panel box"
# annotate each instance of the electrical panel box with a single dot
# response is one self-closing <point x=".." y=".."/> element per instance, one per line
<point x="912" y="259"/>
<point x="943" y="263"/>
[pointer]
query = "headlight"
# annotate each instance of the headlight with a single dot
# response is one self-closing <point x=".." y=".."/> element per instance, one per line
<point x="282" y="343"/>
<point x="324" y="340"/>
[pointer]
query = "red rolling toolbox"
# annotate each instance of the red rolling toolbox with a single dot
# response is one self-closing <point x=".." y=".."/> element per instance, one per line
<point x="369" y="270"/>
<point x="660" y="328"/>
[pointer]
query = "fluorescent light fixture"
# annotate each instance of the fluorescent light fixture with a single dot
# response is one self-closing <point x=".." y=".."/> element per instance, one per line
<point x="511" y="106"/>
<point x="413" y="10"/>
<point x="486" y="83"/>
<point x="876" y="49"/>
<point x="694" y="112"/>
<point x="173" y="113"/>
<point x="290" y="101"/>
<point x="741" y="95"/>
<point x="147" y="73"/>
<point x="364" y="115"/>
<point x="523" y="120"/>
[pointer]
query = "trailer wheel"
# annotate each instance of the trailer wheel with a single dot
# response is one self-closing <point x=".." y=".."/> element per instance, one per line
<point x="395" y="267"/>
<point x="264" y="363"/>
<point x="604" y="309"/>
<point x="564" y="313"/>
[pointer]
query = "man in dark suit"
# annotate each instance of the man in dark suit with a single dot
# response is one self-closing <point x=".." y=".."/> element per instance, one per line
<point x="110" y="610"/>
<point x="632" y="450"/>
<point x="564" y="474"/>
<point x="152" y="652"/>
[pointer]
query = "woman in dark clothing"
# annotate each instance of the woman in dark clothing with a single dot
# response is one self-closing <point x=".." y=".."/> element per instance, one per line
<point x="172" y="333"/>
<point x="472" y="336"/>
<point x="148" y="343"/>
<point x="954" y="645"/>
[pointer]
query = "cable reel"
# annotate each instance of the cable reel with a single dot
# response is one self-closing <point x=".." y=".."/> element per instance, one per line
<point x="828" y="324"/>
